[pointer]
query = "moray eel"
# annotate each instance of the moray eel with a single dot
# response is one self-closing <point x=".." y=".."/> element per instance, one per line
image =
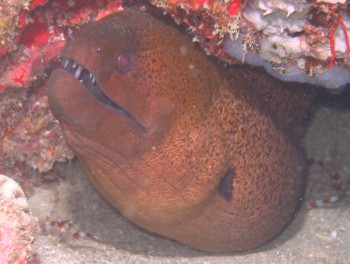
<point x="176" y="145"/>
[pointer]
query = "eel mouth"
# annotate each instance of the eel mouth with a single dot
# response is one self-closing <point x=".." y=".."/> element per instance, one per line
<point x="85" y="77"/>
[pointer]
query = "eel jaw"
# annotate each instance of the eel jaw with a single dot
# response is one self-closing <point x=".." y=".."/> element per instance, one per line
<point x="85" y="77"/>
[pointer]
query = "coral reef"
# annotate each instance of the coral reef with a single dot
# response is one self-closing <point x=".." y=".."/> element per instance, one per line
<point x="303" y="41"/>
<point x="17" y="225"/>
<point x="29" y="131"/>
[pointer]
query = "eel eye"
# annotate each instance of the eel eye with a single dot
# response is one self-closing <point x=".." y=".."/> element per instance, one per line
<point x="124" y="62"/>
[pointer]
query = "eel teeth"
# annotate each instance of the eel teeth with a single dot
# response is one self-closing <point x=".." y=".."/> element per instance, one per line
<point x="78" y="71"/>
<point x="65" y="62"/>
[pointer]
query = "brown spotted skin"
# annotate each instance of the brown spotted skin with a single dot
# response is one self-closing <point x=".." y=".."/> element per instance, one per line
<point x="198" y="124"/>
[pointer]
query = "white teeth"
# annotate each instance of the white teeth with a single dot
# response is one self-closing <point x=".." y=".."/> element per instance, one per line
<point x="65" y="62"/>
<point x="78" y="71"/>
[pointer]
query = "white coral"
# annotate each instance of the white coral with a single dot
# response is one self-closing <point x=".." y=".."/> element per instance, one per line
<point x="286" y="40"/>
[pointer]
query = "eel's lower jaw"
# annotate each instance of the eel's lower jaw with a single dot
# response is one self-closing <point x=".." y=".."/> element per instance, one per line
<point x="85" y="77"/>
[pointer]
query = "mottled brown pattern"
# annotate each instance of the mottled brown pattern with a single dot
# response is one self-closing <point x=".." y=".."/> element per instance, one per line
<point x="199" y="123"/>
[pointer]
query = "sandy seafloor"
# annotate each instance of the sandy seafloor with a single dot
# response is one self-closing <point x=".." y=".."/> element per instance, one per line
<point x="314" y="236"/>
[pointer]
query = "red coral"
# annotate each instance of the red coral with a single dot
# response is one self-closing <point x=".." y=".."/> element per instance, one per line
<point x="332" y="40"/>
<point x="234" y="7"/>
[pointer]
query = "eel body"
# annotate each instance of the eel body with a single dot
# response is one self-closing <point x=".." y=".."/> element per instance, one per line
<point x="177" y="146"/>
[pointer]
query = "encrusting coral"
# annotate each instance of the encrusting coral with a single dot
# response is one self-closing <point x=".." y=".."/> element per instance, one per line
<point x="17" y="225"/>
<point x="302" y="41"/>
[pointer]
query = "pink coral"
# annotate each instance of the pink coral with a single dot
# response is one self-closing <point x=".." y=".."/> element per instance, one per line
<point x="17" y="225"/>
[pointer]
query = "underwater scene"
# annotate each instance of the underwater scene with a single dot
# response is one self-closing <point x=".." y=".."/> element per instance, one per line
<point x="174" y="131"/>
